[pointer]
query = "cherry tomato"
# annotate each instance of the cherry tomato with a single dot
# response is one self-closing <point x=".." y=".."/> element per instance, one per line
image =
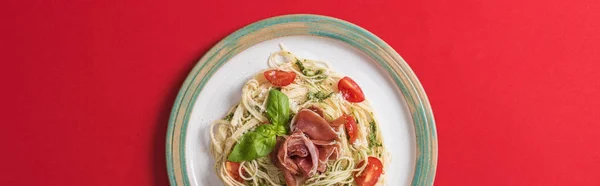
<point x="280" y="77"/>
<point x="350" y="90"/>
<point x="351" y="128"/>
<point x="232" y="169"/>
<point x="370" y="175"/>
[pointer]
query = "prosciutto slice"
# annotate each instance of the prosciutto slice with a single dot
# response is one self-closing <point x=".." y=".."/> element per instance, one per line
<point x="314" y="126"/>
<point x="317" y="110"/>
<point x="338" y="122"/>
<point x="307" y="150"/>
<point x="297" y="155"/>
<point x="329" y="152"/>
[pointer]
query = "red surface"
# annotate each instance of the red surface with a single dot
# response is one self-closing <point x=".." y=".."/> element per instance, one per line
<point x="88" y="85"/>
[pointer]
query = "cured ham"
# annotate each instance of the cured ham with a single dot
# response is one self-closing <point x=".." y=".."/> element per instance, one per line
<point x="314" y="126"/>
<point x="307" y="150"/>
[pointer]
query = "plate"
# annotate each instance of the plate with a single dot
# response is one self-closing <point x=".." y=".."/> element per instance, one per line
<point x="215" y="84"/>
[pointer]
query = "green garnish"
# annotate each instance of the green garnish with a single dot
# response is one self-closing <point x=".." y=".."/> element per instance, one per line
<point x="261" y="141"/>
<point x="252" y="145"/>
<point x="300" y="65"/>
<point x="278" y="108"/>
<point x="318" y="96"/>
<point x="373" y="136"/>
<point x="308" y="72"/>
<point x="228" y="117"/>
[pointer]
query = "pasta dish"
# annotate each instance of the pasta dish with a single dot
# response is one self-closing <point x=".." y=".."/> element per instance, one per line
<point x="299" y="123"/>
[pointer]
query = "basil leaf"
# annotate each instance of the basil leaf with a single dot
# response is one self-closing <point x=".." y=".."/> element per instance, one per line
<point x="278" y="108"/>
<point x="280" y="130"/>
<point x="267" y="130"/>
<point x="261" y="141"/>
<point x="255" y="144"/>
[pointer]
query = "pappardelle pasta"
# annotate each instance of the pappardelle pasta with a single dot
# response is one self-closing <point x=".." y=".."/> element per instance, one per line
<point x="299" y="123"/>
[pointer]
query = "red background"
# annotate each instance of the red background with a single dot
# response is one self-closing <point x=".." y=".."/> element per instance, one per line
<point x="88" y="85"/>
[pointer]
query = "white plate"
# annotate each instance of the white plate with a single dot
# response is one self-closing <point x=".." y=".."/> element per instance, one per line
<point x="219" y="88"/>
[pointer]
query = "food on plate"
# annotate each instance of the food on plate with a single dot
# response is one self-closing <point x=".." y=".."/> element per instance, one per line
<point x="299" y="123"/>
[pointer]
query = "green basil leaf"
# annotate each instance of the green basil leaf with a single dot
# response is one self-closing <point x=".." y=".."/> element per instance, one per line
<point x="261" y="141"/>
<point x="267" y="130"/>
<point x="278" y="108"/>
<point x="255" y="144"/>
<point x="280" y="130"/>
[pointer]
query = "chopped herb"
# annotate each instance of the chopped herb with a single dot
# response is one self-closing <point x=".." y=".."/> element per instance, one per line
<point x="228" y="117"/>
<point x="300" y="65"/>
<point x="373" y="126"/>
<point x="318" y="96"/>
<point x="257" y="108"/>
<point x="308" y="72"/>
<point x="310" y="95"/>
<point x="373" y="136"/>
<point x="321" y="77"/>
<point x="323" y="96"/>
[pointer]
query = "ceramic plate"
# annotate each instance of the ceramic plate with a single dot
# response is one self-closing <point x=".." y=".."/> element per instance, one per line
<point x="215" y="84"/>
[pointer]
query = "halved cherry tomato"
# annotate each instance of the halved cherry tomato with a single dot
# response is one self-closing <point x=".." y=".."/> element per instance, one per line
<point x="370" y="175"/>
<point x="232" y="169"/>
<point x="349" y="124"/>
<point x="350" y="90"/>
<point x="351" y="128"/>
<point x="280" y="77"/>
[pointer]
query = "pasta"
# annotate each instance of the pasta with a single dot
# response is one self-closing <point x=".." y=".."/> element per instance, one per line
<point x="315" y="86"/>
